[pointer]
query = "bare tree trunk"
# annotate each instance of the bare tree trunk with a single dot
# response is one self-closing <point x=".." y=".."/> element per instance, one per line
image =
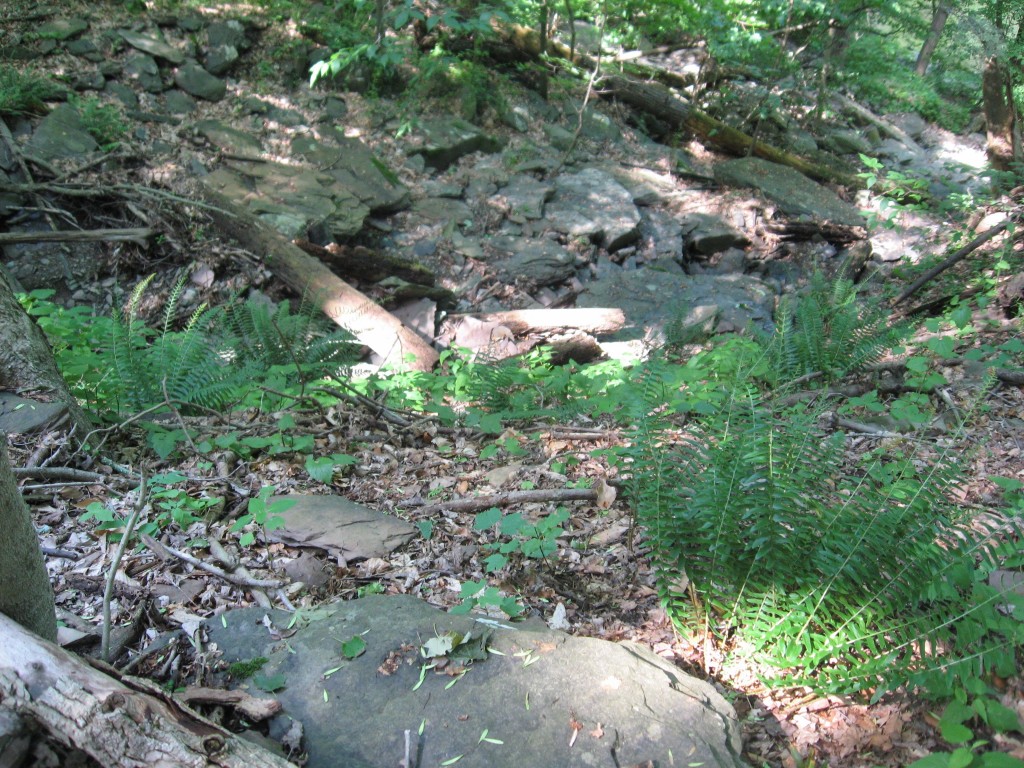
<point x="26" y="360"/>
<point x="934" y="35"/>
<point x="25" y="592"/>
<point x="1004" y="145"/>
<point x="46" y="690"/>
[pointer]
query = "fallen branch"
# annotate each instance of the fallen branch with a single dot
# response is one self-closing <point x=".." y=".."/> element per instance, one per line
<point x="524" y="321"/>
<point x="163" y="551"/>
<point x="958" y="255"/>
<point x="139" y="236"/>
<point x="508" y="499"/>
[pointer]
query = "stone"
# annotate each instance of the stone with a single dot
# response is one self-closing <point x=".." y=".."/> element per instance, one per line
<point x="707" y="234"/>
<point x="594" y="205"/>
<point x="229" y="139"/>
<point x="345" y="530"/>
<point x="219" y="59"/>
<point x="61" y="135"/>
<point x="443" y="142"/>
<point x="197" y="82"/>
<point x="89" y="81"/>
<point x="352" y="166"/>
<point x="154" y="46"/>
<point x="123" y="94"/>
<point x="558" y="137"/>
<point x="21" y="416"/>
<point x="85" y="48"/>
<point x="633" y="707"/>
<point x="523" y="197"/>
<point x="790" y="190"/>
<point x="179" y="103"/>
<point x="230" y="32"/>
<point x="143" y="69"/>
<point x="533" y="262"/>
<point x="62" y="29"/>
<point x="846" y="141"/>
<point x="653" y="299"/>
<point x="191" y="23"/>
<point x="291" y="198"/>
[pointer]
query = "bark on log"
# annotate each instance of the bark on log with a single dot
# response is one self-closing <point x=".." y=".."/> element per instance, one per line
<point x="372" y="325"/>
<point x="847" y="104"/>
<point x="525" y="321"/>
<point x="662" y="103"/>
<point x="362" y="263"/>
<point x="45" y="688"/>
<point x="1003" y="144"/>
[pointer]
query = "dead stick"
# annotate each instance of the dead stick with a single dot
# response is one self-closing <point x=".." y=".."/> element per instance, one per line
<point x="76" y="235"/>
<point x="509" y="498"/>
<point x="980" y="240"/>
<point x="162" y="550"/>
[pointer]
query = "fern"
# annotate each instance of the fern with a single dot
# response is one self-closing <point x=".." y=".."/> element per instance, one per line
<point x="219" y="353"/>
<point x="845" y="578"/>
<point x="830" y="329"/>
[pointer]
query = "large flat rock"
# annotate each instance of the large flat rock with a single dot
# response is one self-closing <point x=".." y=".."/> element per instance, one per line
<point x="794" y="193"/>
<point x="528" y="691"/>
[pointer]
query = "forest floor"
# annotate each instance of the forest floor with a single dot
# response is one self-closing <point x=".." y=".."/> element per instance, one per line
<point x="601" y="573"/>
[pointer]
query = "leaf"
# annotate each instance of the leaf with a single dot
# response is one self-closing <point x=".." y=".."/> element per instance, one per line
<point x="321" y="470"/>
<point x="605" y="494"/>
<point x="486" y="519"/>
<point x="441" y="645"/>
<point x="354" y="647"/>
<point x="452" y="761"/>
<point x="269" y="683"/>
<point x="426" y="528"/>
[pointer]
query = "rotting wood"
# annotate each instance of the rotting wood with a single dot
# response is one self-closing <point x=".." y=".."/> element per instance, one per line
<point x="661" y="102"/>
<point x="44" y="690"/>
<point x="138" y="235"/>
<point x="524" y="321"/>
<point x="369" y="323"/>
<point x="805" y="230"/>
<point x="360" y="262"/>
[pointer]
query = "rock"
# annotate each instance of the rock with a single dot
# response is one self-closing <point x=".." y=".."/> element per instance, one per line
<point x="845" y="141"/>
<point x="653" y="299"/>
<point x="61" y="29"/>
<point x="227" y="33"/>
<point x="85" y="48"/>
<point x="533" y="262"/>
<point x="179" y="103"/>
<point x="910" y="123"/>
<point x="144" y="70"/>
<point x="664" y="232"/>
<point x="633" y="707"/>
<point x="707" y="234"/>
<point x="229" y="139"/>
<point x="196" y="81"/>
<point x="558" y="137"/>
<point x="354" y="167"/>
<point x="88" y="81"/>
<point x="442" y="142"/>
<point x="592" y="204"/>
<point x="523" y="198"/>
<point x="191" y="23"/>
<point x="647" y="187"/>
<point x="442" y="209"/>
<point x="61" y="135"/>
<point x="291" y="198"/>
<point x="793" y="192"/>
<point x="219" y="59"/>
<point x="154" y="46"/>
<point x="345" y="530"/>
<point x="21" y="416"/>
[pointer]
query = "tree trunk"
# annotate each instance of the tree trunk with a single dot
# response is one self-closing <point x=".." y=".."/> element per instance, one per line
<point x="371" y="324"/>
<point x="46" y="690"/>
<point x="934" y="34"/>
<point x="25" y="592"/>
<point x="26" y="360"/>
<point x="1003" y="146"/>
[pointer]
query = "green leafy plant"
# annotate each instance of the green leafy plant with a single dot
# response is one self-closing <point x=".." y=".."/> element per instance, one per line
<point x="957" y="726"/>
<point x="839" y="577"/>
<point x="477" y="594"/>
<point x="105" y="122"/>
<point x="26" y="92"/>
<point x="262" y="513"/>
<point x="536" y="540"/>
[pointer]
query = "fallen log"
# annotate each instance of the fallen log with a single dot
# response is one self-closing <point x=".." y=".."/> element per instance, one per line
<point x="119" y="724"/>
<point x="371" y="324"/>
<point x="661" y="102"/>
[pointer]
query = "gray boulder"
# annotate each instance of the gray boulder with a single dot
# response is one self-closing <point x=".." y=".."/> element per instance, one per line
<point x="532" y="262"/>
<point x="60" y="135"/>
<point x="510" y="696"/>
<point x="594" y="205"/>
<point x="196" y="81"/>
<point x="443" y="142"/>
<point x="794" y="193"/>
<point x="154" y="46"/>
<point x="353" y="166"/>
